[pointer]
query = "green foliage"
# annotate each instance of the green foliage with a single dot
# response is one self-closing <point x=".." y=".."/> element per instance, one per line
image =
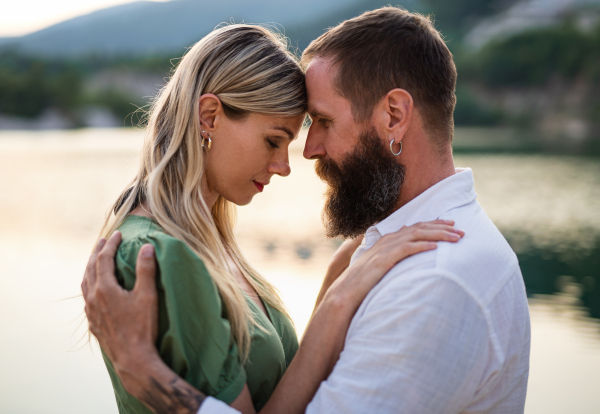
<point x="470" y="112"/>
<point x="455" y="18"/>
<point x="594" y="112"/>
<point x="534" y="57"/>
<point x="123" y="106"/>
<point x="28" y="86"/>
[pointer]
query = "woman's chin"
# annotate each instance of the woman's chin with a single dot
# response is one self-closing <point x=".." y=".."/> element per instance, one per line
<point x="241" y="201"/>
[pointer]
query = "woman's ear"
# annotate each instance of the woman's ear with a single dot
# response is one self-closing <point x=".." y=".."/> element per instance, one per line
<point x="211" y="110"/>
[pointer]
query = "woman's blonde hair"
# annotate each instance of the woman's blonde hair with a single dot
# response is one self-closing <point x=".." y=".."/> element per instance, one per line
<point x="251" y="71"/>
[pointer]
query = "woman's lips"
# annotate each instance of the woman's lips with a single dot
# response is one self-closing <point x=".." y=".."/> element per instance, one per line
<point x="258" y="185"/>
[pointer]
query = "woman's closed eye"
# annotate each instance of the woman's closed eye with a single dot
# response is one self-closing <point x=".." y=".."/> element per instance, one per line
<point x="272" y="143"/>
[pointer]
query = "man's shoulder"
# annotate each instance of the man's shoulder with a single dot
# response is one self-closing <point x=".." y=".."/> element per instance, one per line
<point x="482" y="262"/>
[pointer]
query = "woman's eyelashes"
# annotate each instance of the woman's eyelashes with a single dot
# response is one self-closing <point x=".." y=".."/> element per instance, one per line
<point x="273" y="143"/>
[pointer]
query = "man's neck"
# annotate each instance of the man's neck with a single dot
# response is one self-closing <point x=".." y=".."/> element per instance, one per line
<point x="424" y="169"/>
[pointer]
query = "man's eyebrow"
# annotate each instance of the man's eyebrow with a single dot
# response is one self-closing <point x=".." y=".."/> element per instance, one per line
<point x="316" y="114"/>
<point x="284" y="129"/>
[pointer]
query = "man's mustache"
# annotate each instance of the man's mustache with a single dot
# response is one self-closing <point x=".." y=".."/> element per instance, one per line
<point x="328" y="171"/>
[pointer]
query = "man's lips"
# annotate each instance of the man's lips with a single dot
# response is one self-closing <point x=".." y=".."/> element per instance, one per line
<point x="258" y="185"/>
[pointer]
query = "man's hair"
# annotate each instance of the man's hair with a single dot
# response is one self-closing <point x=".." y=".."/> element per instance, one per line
<point x="392" y="48"/>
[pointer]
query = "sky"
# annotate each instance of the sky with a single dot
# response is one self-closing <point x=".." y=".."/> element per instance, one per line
<point x="20" y="17"/>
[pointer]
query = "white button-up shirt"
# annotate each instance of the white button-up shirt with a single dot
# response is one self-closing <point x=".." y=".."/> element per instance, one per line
<point x="445" y="331"/>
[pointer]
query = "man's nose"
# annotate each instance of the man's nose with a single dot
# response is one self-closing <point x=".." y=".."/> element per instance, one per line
<point x="314" y="148"/>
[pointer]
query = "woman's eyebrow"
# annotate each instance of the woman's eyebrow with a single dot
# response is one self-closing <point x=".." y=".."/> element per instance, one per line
<point x="284" y="129"/>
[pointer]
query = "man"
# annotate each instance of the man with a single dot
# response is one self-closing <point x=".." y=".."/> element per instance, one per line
<point x="446" y="331"/>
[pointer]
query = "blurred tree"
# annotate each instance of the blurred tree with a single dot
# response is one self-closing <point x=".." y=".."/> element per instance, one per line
<point x="66" y="89"/>
<point x="533" y="57"/>
<point x="122" y="105"/>
<point x="24" y="93"/>
<point x="455" y="18"/>
<point x="470" y="112"/>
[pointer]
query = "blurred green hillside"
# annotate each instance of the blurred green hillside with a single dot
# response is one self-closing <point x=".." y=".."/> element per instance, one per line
<point x="545" y="79"/>
<point x="31" y="85"/>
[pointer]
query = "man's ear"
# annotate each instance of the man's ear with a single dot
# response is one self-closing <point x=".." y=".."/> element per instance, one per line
<point x="396" y="110"/>
<point x="211" y="110"/>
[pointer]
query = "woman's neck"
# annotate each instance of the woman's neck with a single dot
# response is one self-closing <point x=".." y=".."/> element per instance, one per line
<point x="141" y="210"/>
<point x="209" y="196"/>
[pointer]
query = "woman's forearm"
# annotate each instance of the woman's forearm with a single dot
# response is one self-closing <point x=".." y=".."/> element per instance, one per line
<point x="319" y="351"/>
<point x="334" y="270"/>
<point x="339" y="262"/>
<point x="150" y="380"/>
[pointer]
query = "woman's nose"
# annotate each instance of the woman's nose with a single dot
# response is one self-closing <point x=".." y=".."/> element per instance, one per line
<point x="280" y="165"/>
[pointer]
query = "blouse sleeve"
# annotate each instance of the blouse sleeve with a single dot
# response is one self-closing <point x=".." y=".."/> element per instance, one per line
<point x="195" y="338"/>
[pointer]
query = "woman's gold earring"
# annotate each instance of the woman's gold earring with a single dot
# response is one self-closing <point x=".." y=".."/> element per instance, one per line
<point x="207" y="138"/>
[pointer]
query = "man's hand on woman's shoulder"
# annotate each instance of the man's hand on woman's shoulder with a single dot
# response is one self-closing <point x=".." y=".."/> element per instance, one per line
<point x="126" y="326"/>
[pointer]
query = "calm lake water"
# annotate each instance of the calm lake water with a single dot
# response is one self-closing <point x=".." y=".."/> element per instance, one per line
<point x="55" y="188"/>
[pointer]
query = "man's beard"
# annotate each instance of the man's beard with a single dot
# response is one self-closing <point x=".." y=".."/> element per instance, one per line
<point x="363" y="189"/>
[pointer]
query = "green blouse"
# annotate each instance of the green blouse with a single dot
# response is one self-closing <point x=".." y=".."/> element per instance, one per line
<point x="194" y="334"/>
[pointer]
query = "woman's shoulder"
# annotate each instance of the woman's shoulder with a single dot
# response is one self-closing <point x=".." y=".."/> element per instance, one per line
<point x="173" y="255"/>
<point x="138" y="230"/>
<point x="135" y="228"/>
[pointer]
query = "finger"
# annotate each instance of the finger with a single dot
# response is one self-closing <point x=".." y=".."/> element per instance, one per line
<point x="99" y="246"/>
<point x="444" y="227"/>
<point x="84" y="288"/>
<point x="440" y="221"/>
<point x="401" y="251"/>
<point x="439" y="234"/>
<point x="89" y="277"/>
<point x="88" y="312"/>
<point x="145" y="270"/>
<point x="105" y="265"/>
<point x="417" y="247"/>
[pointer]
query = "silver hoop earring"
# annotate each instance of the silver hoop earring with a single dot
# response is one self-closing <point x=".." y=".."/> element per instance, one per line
<point x="207" y="148"/>
<point x="392" y="149"/>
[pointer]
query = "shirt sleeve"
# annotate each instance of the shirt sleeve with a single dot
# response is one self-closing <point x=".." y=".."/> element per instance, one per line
<point x="418" y="346"/>
<point x="195" y="338"/>
<point x="212" y="406"/>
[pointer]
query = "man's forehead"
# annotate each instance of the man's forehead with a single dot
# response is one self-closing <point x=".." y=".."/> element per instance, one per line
<point x="321" y="69"/>
<point x="320" y="76"/>
<point x="319" y="108"/>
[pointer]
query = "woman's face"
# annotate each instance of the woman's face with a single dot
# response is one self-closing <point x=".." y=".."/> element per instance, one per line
<point x="244" y="155"/>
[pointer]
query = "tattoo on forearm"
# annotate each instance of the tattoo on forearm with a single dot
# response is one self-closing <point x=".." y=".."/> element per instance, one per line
<point x="179" y="397"/>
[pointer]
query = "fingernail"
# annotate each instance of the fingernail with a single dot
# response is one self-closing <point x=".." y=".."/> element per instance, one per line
<point x="116" y="233"/>
<point x="101" y="242"/>
<point x="450" y="222"/>
<point x="148" y="251"/>
<point x="432" y="244"/>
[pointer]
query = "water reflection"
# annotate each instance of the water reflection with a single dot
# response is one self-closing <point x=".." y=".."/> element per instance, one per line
<point x="571" y="273"/>
<point x="56" y="187"/>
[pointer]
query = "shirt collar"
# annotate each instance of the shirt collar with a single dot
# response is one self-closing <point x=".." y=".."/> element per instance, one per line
<point x="452" y="192"/>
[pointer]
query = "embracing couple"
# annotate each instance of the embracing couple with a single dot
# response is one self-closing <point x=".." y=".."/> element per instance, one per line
<point x="414" y="315"/>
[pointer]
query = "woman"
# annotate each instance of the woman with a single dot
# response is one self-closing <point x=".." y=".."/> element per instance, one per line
<point x="217" y="133"/>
